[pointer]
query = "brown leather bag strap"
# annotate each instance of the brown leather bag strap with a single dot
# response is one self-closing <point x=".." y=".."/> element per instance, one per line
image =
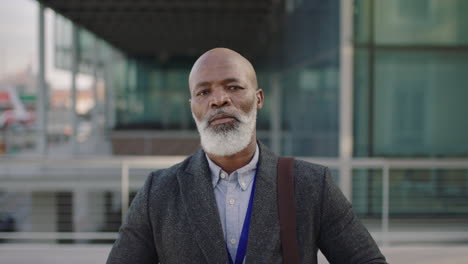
<point x="287" y="210"/>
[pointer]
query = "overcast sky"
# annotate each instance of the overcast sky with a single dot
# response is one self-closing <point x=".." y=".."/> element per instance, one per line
<point x="18" y="42"/>
<point x="17" y="34"/>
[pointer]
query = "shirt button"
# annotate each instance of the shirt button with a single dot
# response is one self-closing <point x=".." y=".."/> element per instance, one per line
<point x="233" y="241"/>
<point x="223" y="175"/>
<point x="232" y="201"/>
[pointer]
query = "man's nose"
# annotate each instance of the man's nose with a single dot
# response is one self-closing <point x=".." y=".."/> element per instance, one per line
<point x="220" y="99"/>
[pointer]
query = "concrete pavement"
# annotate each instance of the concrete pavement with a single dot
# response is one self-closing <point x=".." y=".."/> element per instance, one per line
<point x="80" y="254"/>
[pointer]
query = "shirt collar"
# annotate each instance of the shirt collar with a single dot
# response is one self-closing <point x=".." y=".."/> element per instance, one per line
<point x="244" y="174"/>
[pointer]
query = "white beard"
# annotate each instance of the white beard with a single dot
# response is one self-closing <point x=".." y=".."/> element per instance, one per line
<point x="227" y="139"/>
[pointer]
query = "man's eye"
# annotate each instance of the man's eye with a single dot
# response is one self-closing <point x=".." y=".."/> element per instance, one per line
<point x="204" y="92"/>
<point x="233" y="87"/>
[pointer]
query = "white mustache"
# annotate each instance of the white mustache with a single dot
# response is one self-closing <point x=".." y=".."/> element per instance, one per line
<point x="235" y="115"/>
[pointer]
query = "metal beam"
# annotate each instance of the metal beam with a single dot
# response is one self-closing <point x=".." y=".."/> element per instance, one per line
<point x="74" y="73"/>
<point x="95" y="112"/>
<point x="385" y="203"/>
<point x="346" y="96"/>
<point x="41" y="103"/>
<point x="145" y="6"/>
<point x="275" y="112"/>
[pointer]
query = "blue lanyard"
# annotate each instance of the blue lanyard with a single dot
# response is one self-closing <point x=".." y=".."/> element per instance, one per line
<point x="242" y="247"/>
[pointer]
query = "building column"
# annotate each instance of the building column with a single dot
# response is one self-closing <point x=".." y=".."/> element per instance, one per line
<point x="109" y="94"/>
<point x="41" y="101"/>
<point x="346" y="97"/>
<point x="97" y="106"/>
<point x="88" y="210"/>
<point x="80" y="211"/>
<point x="275" y="112"/>
<point x="74" y="116"/>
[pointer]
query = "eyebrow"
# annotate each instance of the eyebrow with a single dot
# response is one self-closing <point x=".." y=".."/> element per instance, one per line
<point x="229" y="80"/>
<point x="200" y="84"/>
<point x="205" y="83"/>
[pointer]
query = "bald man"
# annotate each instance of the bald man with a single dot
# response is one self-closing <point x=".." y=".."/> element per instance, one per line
<point x="220" y="204"/>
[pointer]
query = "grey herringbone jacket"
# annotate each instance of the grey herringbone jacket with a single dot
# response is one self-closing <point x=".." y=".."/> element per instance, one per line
<point x="174" y="219"/>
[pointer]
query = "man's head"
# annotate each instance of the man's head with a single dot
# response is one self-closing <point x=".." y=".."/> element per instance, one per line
<point x="224" y="101"/>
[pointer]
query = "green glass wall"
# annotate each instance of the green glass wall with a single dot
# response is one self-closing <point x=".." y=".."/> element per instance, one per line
<point x="411" y="65"/>
<point x="411" y="62"/>
<point x="153" y="94"/>
<point x="309" y="80"/>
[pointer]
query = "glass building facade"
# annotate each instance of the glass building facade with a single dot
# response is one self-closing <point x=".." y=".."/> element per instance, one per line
<point x="153" y="95"/>
<point x="409" y="75"/>
<point x="411" y="65"/>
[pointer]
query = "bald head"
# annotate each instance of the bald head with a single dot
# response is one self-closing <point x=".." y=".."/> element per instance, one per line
<point x="221" y="63"/>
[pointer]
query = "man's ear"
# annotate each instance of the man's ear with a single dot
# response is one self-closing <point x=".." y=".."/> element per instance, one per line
<point x="260" y="98"/>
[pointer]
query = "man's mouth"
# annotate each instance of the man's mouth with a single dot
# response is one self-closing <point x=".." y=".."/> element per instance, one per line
<point x="221" y="119"/>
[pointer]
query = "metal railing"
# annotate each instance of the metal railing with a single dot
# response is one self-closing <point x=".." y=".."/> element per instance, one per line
<point x="9" y="182"/>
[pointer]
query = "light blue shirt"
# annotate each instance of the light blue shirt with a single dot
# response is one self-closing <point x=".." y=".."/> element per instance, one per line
<point x="232" y="193"/>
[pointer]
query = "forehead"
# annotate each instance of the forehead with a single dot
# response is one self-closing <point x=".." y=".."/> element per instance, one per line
<point x="211" y="71"/>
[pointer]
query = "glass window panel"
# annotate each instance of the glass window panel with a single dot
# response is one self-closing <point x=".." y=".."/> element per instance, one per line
<point x="264" y="115"/>
<point x="153" y="96"/>
<point x="310" y="115"/>
<point x="420" y="104"/>
<point x="433" y="22"/>
<point x="362" y="21"/>
<point x="361" y="102"/>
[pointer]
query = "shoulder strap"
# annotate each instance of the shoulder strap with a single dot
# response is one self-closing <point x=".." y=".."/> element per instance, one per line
<point x="287" y="210"/>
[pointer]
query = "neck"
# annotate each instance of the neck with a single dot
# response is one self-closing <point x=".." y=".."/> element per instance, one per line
<point x="236" y="161"/>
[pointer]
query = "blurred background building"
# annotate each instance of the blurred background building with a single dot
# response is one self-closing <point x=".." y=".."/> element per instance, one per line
<point x="374" y="89"/>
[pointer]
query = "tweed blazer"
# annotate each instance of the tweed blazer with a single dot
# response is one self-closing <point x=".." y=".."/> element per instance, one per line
<point x="174" y="218"/>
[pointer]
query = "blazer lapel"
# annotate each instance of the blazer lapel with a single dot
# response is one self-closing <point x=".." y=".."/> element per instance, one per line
<point x="264" y="233"/>
<point x="200" y="203"/>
